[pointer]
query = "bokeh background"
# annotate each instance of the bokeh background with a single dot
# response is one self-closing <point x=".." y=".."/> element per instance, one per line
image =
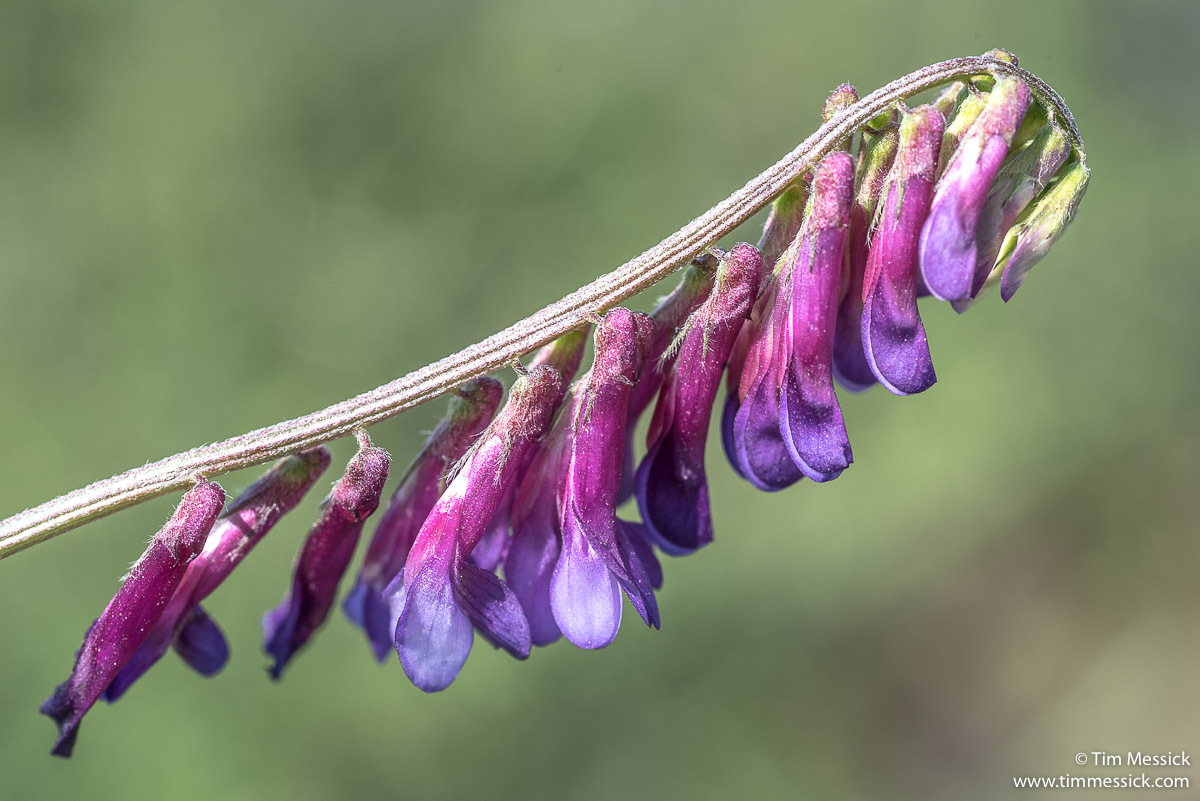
<point x="214" y="215"/>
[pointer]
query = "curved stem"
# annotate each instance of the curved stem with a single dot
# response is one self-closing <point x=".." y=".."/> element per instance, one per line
<point x="179" y="471"/>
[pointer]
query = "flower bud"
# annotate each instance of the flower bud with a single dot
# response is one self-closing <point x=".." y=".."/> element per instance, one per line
<point x="325" y="555"/>
<point x="957" y="125"/>
<point x="597" y="559"/>
<point x="947" y="101"/>
<point x="1021" y="179"/>
<point x="892" y="333"/>
<point x="1031" y="238"/>
<point x="245" y="522"/>
<point x="115" y="636"/>
<point x="783" y="222"/>
<point x="838" y="101"/>
<point x="440" y="597"/>
<point x="472" y="407"/>
<point x="672" y="489"/>
<point x="948" y="247"/>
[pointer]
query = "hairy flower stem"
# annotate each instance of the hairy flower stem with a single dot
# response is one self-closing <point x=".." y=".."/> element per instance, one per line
<point x="179" y="471"/>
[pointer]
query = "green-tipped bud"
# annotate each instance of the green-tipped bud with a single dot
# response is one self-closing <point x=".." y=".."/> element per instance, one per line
<point x="783" y="223"/>
<point x="1021" y="179"/>
<point x="1036" y="118"/>
<point x="875" y="157"/>
<point x="947" y="101"/>
<point x="964" y="117"/>
<point x="840" y="99"/>
<point x="1031" y="238"/>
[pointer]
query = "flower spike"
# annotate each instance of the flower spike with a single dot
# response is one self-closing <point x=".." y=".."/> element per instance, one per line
<point x="245" y="522"/>
<point x="326" y="555"/>
<point x="598" y="558"/>
<point x="893" y="335"/>
<point x="672" y="489"/>
<point x="115" y="636"/>
<point x="440" y="597"/>
<point x="470" y="410"/>
<point x="948" y="248"/>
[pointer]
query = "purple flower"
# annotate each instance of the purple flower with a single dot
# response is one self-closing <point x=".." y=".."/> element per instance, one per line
<point x="875" y="154"/>
<point x="789" y="423"/>
<point x="564" y="355"/>
<point x="672" y="489"/>
<point x="537" y="535"/>
<point x="668" y="315"/>
<point x="471" y="409"/>
<point x="1030" y="239"/>
<point x="247" y="520"/>
<point x="599" y="557"/>
<point x="536" y="539"/>
<point x="114" y="637"/>
<point x="810" y="418"/>
<point x="326" y="555"/>
<point x="893" y="335"/>
<point x="1022" y="178"/>
<point x="440" y="596"/>
<point x="948" y="248"/>
<point x="783" y="223"/>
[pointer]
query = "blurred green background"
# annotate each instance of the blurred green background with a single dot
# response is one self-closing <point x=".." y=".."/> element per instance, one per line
<point x="214" y="215"/>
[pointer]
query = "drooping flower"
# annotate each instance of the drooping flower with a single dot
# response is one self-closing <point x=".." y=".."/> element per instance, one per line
<point x="325" y="555"/>
<point x="893" y="335"/>
<point x="783" y="223"/>
<point x="672" y="488"/>
<point x="115" y="636"/>
<point x="537" y="534"/>
<point x="789" y="423"/>
<point x="810" y="418"/>
<point x="875" y="154"/>
<point x="668" y="315"/>
<point x="599" y="558"/>
<point x="184" y="624"/>
<point x="440" y="597"/>
<point x="536" y="538"/>
<point x="948" y="247"/>
<point x="1022" y="178"/>
<point x="1031" y="238"/>
<point x="564" y="355"/>
<point x="470" y="410"/>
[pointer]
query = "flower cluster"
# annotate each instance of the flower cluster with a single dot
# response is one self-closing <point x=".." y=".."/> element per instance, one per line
<point x="506" y="522"/>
